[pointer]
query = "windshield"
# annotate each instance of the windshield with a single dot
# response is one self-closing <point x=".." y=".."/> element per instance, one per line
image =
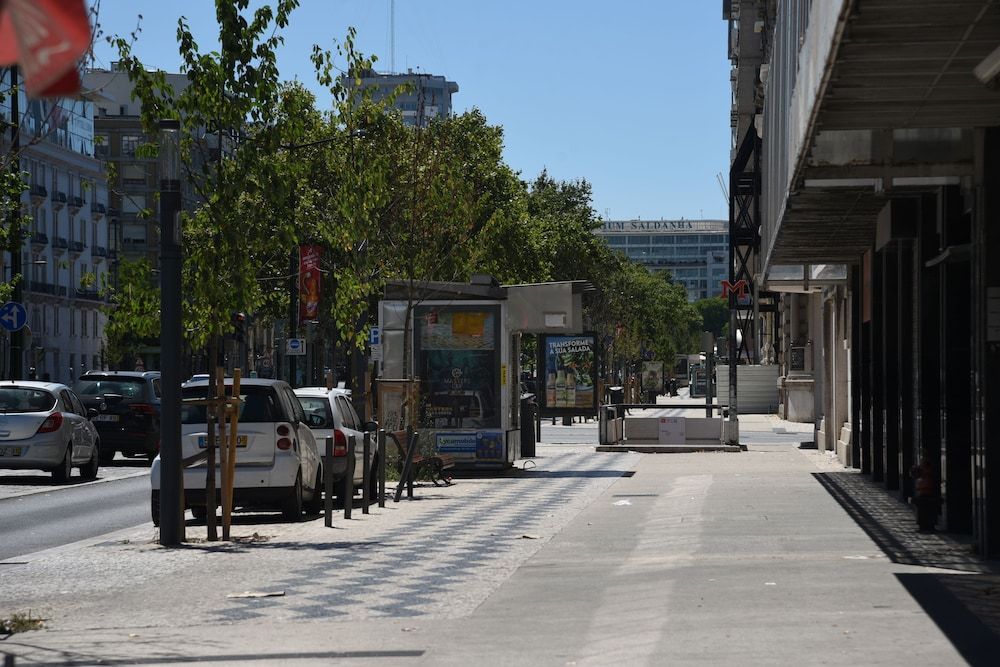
<point x="259" y="405"/>
<point x="25" y="399"/>
<point x="127" y="387"/>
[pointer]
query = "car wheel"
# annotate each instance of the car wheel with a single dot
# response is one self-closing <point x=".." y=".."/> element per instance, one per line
<point x="154" y="507"/>
<point x="61" y="473"/>
<point x="315" y="504"/>
<point x="89" y="469"/>
<point x="106" y="456"/>
<point x="291" y="508"/>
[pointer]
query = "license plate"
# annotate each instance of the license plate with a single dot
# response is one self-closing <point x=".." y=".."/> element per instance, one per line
<point x="241" y="441"/>
<point x="105" y="418"/>
<point x="10" y="451"/>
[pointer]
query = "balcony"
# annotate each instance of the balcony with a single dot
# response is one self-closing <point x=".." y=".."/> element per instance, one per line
<point x="858" y="104"/>
<point x="59" y="245"/>
<point x="39" y="241"/>
<point x="113" y="213"/>
<point x="58" y="200"/>
<point x="76" y="248"/>
<point x="112" y="255"/>
<point x="89" y="295"/>
<point x="97" y="210"/>
<point x="75" y="204"/>
<point x="38" y="194"/>
<point x="98" y="254"/>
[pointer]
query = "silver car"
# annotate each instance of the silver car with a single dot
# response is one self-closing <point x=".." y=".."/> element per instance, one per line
<point x="331" y="414"/>
<point x="44" y="425"/>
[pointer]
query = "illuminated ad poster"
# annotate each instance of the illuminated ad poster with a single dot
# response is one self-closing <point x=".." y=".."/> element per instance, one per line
<point x="652" y="376"/>
<point x="458" y="363"/>
<point x="570" y="368"/>
<point x="309" y="282"/>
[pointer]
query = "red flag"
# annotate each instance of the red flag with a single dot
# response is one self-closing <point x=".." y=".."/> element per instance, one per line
<point x="46" y="38"/>
<point x="309" y="282"/>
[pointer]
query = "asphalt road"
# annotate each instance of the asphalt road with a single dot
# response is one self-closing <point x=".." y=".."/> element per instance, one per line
<point x="36" y="521"/>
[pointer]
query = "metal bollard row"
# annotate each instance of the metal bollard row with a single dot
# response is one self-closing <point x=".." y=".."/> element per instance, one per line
<point x="367" y="471"/>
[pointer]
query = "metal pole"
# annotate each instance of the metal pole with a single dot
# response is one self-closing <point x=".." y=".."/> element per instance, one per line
<point x="171" y="475"/>
<point x="366" y="472"/>
<point x="349" y="477"/>
<point x="328" y="483"/>
<point x="16" y="351"/>
<point x="381" y="467"/>
<point x="293" y="310"/>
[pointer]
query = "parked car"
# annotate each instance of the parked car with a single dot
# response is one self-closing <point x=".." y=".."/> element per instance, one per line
<point x="277" y="462"/>
<point x="44" y="425"/>
<point x="334" y="415"/>
<point x="128" y="411"/>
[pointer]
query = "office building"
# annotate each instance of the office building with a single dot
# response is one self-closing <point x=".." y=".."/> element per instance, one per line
<point x="429" y="96"/>
<point x="695" y="252"/>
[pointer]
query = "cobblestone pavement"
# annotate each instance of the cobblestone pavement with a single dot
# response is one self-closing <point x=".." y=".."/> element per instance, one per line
<point x="440" y="554"/>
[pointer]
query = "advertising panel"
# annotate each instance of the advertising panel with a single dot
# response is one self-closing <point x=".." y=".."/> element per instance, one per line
<point x="652" y="376"/>
<point x="309" y="282"/>
<point x="569" y="365"/>
<point x="458" y="362"/>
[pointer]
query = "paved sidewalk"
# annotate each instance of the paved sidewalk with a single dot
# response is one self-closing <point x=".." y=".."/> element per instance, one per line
<point x="775" y="555"/>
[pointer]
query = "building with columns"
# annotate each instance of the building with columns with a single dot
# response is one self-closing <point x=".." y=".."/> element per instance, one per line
<point x="865" y="183"/>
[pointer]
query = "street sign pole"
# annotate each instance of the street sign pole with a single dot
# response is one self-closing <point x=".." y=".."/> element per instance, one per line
<point x="16" y="362"/>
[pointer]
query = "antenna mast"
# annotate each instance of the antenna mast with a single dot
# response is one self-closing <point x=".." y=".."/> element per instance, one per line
<point x="392" y="36"/>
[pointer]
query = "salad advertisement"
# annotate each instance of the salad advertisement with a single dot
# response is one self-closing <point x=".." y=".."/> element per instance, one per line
<point x="569" y="374"/>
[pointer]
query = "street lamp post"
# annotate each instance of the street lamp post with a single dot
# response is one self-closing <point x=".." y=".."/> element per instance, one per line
<point x="171" y="480"/>
<point x="16" y="350"/>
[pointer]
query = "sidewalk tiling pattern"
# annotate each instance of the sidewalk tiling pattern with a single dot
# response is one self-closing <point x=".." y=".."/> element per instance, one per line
<point x="440" y="554"/>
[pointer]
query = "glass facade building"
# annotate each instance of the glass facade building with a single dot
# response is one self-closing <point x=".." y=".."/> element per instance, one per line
<point x="695" y="252"/>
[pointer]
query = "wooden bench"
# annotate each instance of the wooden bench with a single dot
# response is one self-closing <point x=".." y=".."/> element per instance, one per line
<point x="434" y="465"/>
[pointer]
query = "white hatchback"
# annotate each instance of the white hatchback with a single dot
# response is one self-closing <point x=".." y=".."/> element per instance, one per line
<point x="335" y="416"/>
<point x="277" y="462"/>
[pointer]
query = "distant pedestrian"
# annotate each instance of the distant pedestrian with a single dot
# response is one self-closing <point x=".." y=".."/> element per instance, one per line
<point x="32" y="375"/>
<point x="925" y="494"/>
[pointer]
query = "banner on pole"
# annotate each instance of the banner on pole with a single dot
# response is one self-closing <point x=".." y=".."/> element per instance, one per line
<point x="309" y="282"/>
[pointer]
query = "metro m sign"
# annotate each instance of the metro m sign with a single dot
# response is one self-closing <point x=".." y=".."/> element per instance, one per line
<point x="739" y="288"/>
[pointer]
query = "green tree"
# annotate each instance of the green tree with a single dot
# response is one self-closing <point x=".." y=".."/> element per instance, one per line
<point x="714" y="314"/>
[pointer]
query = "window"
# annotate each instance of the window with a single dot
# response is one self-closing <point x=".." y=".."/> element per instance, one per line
<point x="72" y="364"/>
<point x="93" y="234"/>
<point x="83" y="323"/>
<point x="134" y="174"/>
<point x="133" y="203"/>
<point x="129" y="143"/>
<point x="98" y="335"/>
<point x="72" y="326"/>
<point x="71" y="230"/>
<point x="83" y="230"/>
<point x="56" y="313"/>
<point x="123" y="110"/>
<point x="638" y="240"/>
<point x="97" y="364"/>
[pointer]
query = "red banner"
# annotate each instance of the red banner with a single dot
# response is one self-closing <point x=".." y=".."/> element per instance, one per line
<point x="309" y="282"/>
<point x="46" y="38"/>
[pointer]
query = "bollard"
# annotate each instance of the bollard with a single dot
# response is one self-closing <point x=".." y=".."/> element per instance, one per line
<point x="411" y="447"/>
<point x="328" y="483"/>
<point x="381" y="467"/>
<point x="349" y="478"/>
<point x="366" y="472"/>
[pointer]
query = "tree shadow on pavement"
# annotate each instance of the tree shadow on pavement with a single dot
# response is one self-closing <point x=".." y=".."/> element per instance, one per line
<point x="964" y="605"/>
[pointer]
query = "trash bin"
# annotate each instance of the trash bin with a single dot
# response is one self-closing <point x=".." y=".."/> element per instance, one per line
<point x="617" y="395"/>
<point x="528" y="412"/>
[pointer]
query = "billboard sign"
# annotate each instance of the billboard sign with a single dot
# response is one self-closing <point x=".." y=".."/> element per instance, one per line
<point x="569" y="367"/>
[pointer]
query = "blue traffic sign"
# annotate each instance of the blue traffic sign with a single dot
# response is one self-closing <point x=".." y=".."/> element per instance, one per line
<point x="13" y="316"/>
<point x="374" y="336"/>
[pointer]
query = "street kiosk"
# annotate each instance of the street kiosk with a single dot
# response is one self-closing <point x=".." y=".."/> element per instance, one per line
<point x="461" y="389"/>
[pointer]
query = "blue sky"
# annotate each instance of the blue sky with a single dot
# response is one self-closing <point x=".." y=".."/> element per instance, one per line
<point x="632" y="96"/>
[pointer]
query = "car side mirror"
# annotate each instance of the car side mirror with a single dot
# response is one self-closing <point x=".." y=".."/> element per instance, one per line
<point x="91" y="413"/>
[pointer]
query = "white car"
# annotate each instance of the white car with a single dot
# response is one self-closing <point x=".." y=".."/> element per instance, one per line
<point x="277" y="462"/>
<point x="44" y="425"/>
<point x="333" y="408"/>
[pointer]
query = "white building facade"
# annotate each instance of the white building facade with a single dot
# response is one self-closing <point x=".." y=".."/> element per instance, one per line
<point x="65" y="253"/>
